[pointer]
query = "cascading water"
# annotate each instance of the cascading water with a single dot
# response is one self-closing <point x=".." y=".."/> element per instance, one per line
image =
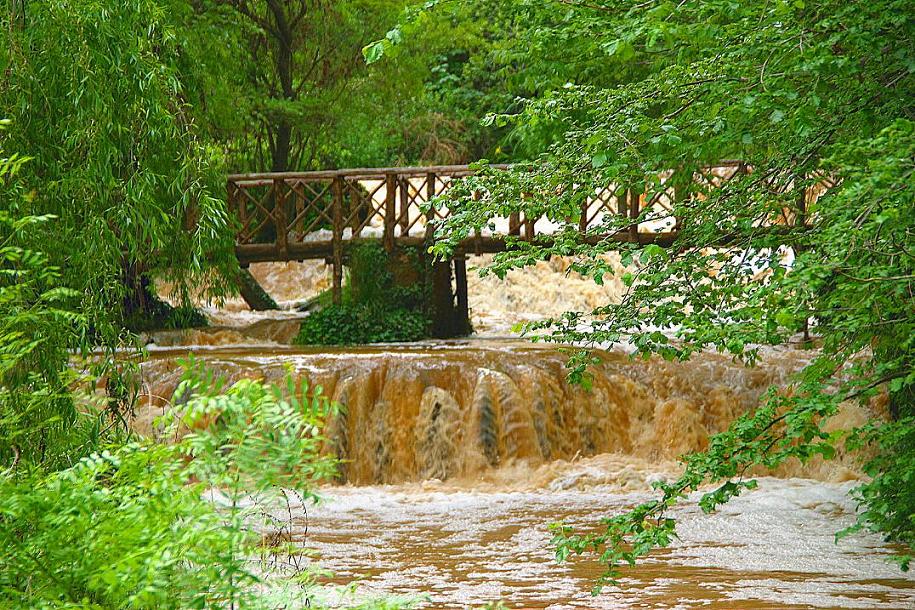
<point x="456" y="410"/>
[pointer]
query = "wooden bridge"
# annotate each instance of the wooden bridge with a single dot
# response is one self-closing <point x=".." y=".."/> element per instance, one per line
<point x="317" y="215"/>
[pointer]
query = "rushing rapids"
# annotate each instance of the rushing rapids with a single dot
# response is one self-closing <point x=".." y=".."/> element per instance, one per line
<point x="456" y="455"/>
<point x="459" y="410"/>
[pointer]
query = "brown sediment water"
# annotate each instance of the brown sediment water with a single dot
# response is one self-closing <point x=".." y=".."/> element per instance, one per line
<point x="771" y="548"/>
<point x="456" y="455"/>
<point x="468" y="410"/>
<point x="495" y="305"/>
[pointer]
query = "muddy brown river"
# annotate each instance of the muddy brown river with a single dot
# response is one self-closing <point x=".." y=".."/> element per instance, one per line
<point x="772" y="548"/>
<point x="457" y="455"/>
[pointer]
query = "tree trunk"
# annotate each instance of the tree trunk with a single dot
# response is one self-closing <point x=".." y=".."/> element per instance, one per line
<point x="254" y="294"/>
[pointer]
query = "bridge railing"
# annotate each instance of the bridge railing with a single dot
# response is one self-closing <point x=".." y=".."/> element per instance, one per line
<point x="300" y="215"/>
<point x="315" y="215"/>
<point x="307" y="215"/>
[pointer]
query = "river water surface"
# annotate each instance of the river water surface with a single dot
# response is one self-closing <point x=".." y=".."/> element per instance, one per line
<point x="457" y="455"/>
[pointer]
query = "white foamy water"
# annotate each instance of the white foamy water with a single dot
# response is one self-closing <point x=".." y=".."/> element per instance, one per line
<point x="547" y="289"/>
<point x="772" y="548"/>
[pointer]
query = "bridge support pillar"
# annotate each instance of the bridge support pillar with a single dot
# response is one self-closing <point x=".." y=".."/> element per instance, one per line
<point x="460" y="288"/>
<point x="448" y="303"/>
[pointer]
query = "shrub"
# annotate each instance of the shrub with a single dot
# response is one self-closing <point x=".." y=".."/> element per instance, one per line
<point x="349" y="324"/>
<point x="375" y="309"/>
<point x="121" y="529"/>
<point x="180" y="526"/>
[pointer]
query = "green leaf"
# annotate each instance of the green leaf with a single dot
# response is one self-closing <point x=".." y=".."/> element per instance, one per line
<point x="374" y="52"/>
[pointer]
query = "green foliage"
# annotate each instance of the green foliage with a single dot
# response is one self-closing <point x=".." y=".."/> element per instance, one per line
<point x="354" y="324"/>
<point x="250" y="438"/>
<point x="177" y="526"/>
<point x="38" y="416"/>
<point x="297" y="95"/>
<point x="95" y="94"/>
<point x="121" y="529"/>
<point x="412" y="22"/>
<point x="39" y="321"/>
<point x="376" y="309"/>
<point x="474" y="74"/>
<point x="806" y="95"/>
<point x="888" y="497"/>
<point x="157" y="314"/>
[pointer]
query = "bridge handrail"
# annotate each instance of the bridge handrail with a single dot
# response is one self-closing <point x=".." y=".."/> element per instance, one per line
<point x="381" y="172"/>
<point x="363" y="173"/>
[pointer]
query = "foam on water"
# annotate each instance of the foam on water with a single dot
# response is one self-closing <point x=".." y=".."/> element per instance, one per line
<point x="771" y="548"/>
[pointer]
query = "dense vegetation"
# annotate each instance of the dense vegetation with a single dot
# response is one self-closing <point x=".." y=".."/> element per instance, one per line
<point x="125" y="116"/>
<point x="130" y="526"/>
<point x="133" y="114"/>
<point x="805" y="95"/>
<point x="114" y="153"/>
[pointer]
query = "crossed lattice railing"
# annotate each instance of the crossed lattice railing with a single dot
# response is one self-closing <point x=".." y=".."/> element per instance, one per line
<point x="292" y="213"/>
<point x="288" y="216"/>
<point x="302" y="215"/>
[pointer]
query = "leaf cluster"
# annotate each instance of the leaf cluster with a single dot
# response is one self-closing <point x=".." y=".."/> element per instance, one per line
<point x="173" y="526"/>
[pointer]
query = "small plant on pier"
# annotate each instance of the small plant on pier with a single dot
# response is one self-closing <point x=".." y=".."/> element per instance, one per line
<point x="377" y="308"/>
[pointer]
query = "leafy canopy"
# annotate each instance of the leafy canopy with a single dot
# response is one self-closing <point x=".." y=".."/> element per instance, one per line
<point x="96" y="95"/>
<point x="810" y="97"/>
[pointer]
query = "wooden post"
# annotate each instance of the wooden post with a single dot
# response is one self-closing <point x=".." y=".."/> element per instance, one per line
<point x="677" y="193"/>
<point x="404" y="205"/>
<point x="527" y="223"/>
<point x="460" y="286"/>
<point x="800" y="218"/>
<point x="390" y="210"/>
<point x="299" y="213"/>
<point x="442" y="300"/>
<point x="279" y="218"/>
<point x="338" y="240"/>
<point x="622" y="202"/>
<point x="680" y="189"/>
<point x="237" y="202"/>
<point x="514" y="223"/>
<point x="430" y="213"/>
<point x="478" y="237"/>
